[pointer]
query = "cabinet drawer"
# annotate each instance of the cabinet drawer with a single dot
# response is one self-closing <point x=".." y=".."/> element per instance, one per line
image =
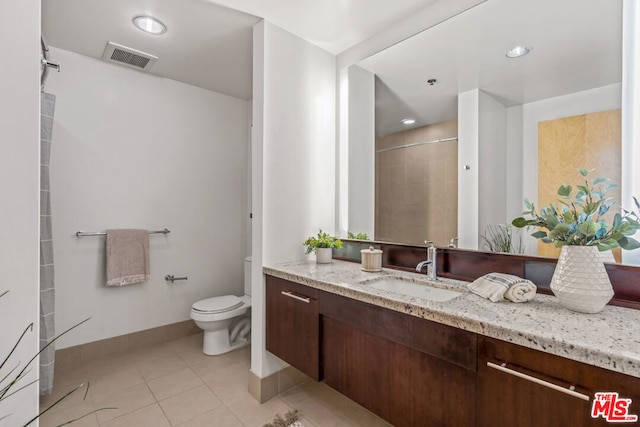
<point x="535" y="388"/>
<point x="292" y="324"/>
<point x="444" y="342"/>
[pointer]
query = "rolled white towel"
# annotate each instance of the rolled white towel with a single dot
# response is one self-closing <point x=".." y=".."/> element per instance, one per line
<point x="499" y="286"/>
<point x="521" y="292"/>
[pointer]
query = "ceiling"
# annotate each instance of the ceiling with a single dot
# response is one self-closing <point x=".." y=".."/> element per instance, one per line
<point x="334" y="25"/>
<point x="574" y="48"/>
<point x="209" y="44"/>
<point x="205" y="45"/>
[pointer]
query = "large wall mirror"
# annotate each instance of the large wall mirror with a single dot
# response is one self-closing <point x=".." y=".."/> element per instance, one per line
<point x="469" y="154"/>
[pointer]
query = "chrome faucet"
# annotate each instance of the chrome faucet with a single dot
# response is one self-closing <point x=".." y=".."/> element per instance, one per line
<point x="452" y="242"/>
<point x="430" y="262"/>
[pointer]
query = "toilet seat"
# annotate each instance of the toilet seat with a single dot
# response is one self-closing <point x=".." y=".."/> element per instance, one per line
<point x="217" y="304"/>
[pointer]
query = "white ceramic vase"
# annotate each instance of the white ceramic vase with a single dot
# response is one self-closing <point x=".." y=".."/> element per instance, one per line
<point x="580" y="280"/>
<point x="323" y="255"/>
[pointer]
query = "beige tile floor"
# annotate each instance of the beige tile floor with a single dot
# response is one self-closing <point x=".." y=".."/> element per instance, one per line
<point x="175" y="384"/>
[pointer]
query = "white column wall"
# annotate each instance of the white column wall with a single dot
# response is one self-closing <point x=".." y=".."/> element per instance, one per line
<point x="468" y="178"/>
<point x="492" y="158"/>
<point x="631" y="114"/>
<point x="19" y="192"/>
<point x="514" y="162"/>
<point x="482" y="146"/>
<point x="362" y="157"/>
<point x="294" y="156"/>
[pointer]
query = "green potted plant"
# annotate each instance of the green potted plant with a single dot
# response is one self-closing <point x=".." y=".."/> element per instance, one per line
<point x="321" y="245"/>
<point x="357" y="236"/>
<point x="576" y="225"/>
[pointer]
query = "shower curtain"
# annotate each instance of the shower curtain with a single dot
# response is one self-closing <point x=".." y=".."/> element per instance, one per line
<point x="47" y="300"/>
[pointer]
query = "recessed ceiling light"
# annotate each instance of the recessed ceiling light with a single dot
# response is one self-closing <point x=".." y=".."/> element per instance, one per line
<point x="408" y="121"/>
<point x="149" y="25"/>
<point x="518" y="51"/>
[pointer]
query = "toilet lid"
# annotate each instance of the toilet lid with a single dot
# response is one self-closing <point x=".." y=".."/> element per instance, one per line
<point x="218" y="304"/>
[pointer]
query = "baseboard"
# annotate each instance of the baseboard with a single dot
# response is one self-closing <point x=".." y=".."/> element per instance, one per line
<point x="124" y="343"/>
<point x="263" y="389"/>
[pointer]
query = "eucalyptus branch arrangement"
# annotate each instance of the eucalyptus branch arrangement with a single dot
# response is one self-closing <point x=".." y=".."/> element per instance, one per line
<point x="322" y="240"/>
<point x="577" y="219"/>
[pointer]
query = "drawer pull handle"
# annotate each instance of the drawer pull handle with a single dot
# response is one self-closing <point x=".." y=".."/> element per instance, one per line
<point x="569" y="391"/>
<point x="292" y="295"/>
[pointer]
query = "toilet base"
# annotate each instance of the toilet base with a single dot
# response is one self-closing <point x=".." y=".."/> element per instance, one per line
<point x="219" y="341"/>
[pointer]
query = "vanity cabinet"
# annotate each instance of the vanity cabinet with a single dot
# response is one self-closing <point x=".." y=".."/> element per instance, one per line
<point x="292" y="324"/>
<point x="415" y="372"/>
<point x="409" y="371"/>
<point x="517" y="387"/>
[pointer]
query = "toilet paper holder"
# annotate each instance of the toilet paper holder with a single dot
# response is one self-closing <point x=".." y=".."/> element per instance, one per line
<point x="170" y="278"/>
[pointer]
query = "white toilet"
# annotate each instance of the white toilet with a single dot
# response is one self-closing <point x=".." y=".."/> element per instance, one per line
<point x="225" y="320"/>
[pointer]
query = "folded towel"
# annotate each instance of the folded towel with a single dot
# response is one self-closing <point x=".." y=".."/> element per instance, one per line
<point x="127" y="257"/>
<point x="498" y="286"/>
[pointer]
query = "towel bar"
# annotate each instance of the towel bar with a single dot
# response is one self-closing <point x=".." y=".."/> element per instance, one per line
<point x="103" y="233"/>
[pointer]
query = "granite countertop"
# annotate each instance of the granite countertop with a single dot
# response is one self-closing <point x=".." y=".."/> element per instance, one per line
<point x="609" y="339"/>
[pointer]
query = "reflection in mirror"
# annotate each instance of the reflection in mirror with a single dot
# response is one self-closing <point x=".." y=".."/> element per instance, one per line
<point x="417" y="180"/>
<point x="573" y="68"/>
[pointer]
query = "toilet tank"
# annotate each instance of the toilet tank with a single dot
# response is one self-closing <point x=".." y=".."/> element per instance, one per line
<point x="247" y="275"/>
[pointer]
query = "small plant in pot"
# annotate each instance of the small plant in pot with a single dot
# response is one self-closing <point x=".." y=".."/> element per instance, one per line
<point x="357" y="236"/>
<point x="321" y="245"/>
<point x="576" y="225"/>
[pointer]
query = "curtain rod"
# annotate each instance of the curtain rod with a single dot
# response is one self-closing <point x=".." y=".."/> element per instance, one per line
<point x="415" y="144"/>
<point x="103" y="233"/>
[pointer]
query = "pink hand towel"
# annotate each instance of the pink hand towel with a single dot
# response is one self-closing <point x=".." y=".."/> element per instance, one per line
<point x="127" y="257"/>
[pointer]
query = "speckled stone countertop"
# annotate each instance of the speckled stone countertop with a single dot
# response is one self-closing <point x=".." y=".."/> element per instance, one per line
<point x="609" y="339"/>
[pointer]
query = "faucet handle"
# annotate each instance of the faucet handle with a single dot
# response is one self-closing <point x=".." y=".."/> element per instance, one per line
<point x="429" y="242"/>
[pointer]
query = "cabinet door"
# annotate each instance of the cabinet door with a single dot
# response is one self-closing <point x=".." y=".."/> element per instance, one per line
<point x="517" y="386"/>
<point x="356" y="364"/>
<point x="292" y="328"/>
<point x="428" y="391"/>
<point x="406" y="370"/>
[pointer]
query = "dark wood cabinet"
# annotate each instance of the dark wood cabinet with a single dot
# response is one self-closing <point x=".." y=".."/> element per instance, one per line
<point x="409" y="371"/>
<point x="428" y="391"/>
<point x="525" y="387"/>
<point x="292" y="324"/>
<point x="415" y="372"/>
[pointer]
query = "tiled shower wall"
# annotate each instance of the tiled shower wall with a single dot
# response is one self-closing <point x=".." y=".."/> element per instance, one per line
<point x="417" y="187"/>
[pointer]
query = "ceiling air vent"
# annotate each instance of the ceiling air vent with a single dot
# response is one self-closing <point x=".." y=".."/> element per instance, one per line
<point x="128" y="56"/>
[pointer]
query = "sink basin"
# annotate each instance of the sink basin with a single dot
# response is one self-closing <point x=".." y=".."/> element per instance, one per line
<point x="406" y="287"/>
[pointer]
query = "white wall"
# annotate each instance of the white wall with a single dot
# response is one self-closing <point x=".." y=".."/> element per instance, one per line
<point x="19" y="192"/>
<point x="362" y="157"/>
<point x="133" y="150"/>
<point x="468" y="167"/>
<point x="523" y="127"/>
<point x="482" y="146"/>
<point x="514" y="162"/>
<point x="631" y="114"/>
<point x="293" y="159"/>
<point x="492" y="158"/>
